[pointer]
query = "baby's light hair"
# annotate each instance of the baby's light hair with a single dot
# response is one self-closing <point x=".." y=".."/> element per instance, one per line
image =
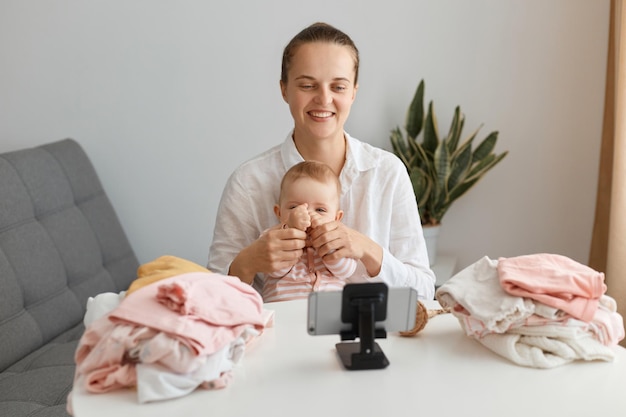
<point x="318" y="171"/>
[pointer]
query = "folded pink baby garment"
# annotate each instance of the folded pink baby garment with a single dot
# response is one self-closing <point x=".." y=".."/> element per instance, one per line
<point x="554" y="280"/>
<point x="204" y="309"/>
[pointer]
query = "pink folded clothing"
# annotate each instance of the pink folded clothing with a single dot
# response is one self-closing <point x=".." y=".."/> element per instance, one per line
<point x="174" y="297"/>
<point x="204" y="309"/>
<point x="109" y="378"/>
<point x="170" y="337"/>
<point x="554" y="280"/>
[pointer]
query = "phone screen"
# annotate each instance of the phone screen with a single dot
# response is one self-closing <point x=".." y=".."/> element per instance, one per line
<point x="324" y="311"/>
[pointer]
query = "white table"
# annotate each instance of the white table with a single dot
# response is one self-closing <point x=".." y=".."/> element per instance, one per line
<point x="440" y="372"/>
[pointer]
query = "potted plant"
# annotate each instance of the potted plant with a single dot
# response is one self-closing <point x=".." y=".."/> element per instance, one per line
<point x="441" y="169"/>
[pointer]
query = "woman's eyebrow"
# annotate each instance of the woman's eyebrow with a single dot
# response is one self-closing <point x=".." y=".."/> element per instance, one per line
<point x="309" y="77"/>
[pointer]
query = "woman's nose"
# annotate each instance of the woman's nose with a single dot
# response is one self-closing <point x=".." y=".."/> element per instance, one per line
<point x="324" y="96"/>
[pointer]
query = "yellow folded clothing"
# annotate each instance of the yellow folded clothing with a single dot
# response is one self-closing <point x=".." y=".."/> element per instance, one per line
<point x="163" y="267"/>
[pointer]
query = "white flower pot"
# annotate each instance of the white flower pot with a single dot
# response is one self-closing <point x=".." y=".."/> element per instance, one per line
<point x="431" y="234"/>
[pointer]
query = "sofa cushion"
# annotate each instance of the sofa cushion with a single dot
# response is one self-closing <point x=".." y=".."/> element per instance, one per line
<point x="60" y="243"/>
<point x="38" y="384"/>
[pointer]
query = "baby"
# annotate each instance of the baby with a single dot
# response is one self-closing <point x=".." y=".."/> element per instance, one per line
<point x="309" y="197"/>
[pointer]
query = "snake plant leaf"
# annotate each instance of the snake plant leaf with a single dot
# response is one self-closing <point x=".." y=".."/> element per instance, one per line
<point x="485" y="165"/>
<point x="422" y="185"/>
<point x="424" y="161"/>
<point x="442" y="167"/>
<point x="439" y="193"/>
<point x="413" y="143"/>
<point x="431" y="134"/>
<point x="486" y="146"/>
<point x="415" y="114"/>
<point x="479" y="166"/>
<point x="467" y="142"/>
<point x="461" y="161"/>
<point x="461" y="189"/>
<point x="456" y="127"/>
<point x="399" y="146"/>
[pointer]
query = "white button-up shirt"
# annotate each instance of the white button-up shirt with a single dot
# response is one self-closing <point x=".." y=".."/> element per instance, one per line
<point x="377" y="199"/>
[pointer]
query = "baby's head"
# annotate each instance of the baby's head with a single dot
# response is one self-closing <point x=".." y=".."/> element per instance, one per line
<point x="314" y="184"/>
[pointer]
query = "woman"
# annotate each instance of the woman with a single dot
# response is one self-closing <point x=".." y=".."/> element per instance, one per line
<point x="381" y="227"/>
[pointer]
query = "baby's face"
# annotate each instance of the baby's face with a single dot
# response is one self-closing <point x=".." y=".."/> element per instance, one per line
<point x="320" y="198"/>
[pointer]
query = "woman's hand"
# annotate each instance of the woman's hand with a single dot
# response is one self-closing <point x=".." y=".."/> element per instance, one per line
<point x="275" y="249"/>
<point x="334" y="240"/>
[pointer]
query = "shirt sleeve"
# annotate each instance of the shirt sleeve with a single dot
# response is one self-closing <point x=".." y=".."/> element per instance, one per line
<point x="393" y="222"/>
<point x="235" y="227"/>
<point x="405" y="261"/>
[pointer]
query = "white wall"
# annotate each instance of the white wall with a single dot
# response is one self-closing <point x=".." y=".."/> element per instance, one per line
<point x="168" y="97"/>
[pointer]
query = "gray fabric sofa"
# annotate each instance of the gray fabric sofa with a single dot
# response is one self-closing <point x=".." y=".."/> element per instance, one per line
<point x="60" y="243"/>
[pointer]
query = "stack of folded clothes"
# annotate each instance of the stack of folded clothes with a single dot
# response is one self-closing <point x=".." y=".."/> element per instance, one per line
<point x="168" y="335"/>
<point x="540" y="310"/>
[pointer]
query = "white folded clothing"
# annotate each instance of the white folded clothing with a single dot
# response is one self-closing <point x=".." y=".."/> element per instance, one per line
<point x="475" y="294"/>
<point x="546" y="352"/>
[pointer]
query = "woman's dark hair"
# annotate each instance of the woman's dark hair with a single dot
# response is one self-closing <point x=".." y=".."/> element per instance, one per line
<point x="318" y="32"/>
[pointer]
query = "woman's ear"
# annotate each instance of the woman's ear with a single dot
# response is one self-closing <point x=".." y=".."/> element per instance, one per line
<point x="283" y="90"/>
<point x="339" y="215"/>
<point x="356" y="87"/>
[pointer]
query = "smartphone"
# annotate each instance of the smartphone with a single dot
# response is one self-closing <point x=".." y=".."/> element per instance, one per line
<point x="324" y="311"/>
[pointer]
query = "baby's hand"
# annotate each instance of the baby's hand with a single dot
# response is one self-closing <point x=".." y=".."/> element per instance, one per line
<point x="299" y="218"/>
<point x="316" y="219"/>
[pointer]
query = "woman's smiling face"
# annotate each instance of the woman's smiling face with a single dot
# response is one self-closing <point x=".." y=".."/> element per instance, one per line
<point x="320" y="90"/>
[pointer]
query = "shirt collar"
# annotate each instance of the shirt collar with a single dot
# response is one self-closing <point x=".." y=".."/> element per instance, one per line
<point x="289" y="152"/>
<point x="359" y="155"/>
<point x="359" y="158"/>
